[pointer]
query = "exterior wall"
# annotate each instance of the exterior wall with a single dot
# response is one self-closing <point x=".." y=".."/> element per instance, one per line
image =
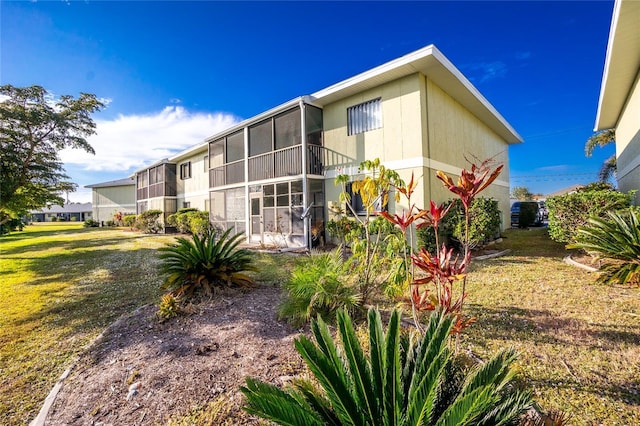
<point x="423" y="130"/>
<point x="628" y="143"/>
<point x="194" y="190"/>
<point x="455" y="133"/>
<point x="113" y="199"/>
<point x="400" y="136"/>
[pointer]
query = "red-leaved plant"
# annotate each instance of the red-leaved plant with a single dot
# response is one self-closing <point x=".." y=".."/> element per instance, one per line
<point x="441" y="272"/>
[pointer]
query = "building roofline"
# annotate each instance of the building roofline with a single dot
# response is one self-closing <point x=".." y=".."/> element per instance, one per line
<point x="432" y="63"/>
<point x="118" y="182"/>
<point x="621" y="65"/>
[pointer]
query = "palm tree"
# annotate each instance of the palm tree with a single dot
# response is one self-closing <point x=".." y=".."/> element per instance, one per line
<point x="602" y="138"/>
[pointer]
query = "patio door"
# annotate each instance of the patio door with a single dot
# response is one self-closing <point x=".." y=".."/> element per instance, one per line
<point x="257" y="225"/>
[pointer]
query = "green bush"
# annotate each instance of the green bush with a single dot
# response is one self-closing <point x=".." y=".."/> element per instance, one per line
<point x="54" y="219"/>
<point x="616" y="240"/>
<point x="110" y="223"/>
<point x="190" y="221"/>
<point x="129" y="220"/>
<point x="90" y="223"/>
<point x="570" y="211"/>
<point x="400" y="379"/>
<point x="202" y="264"/>
<point x="11" y="225"/>
<point x="316" y="287"/>
<point x="484" y="225"/>
<point x="149" y="221"/>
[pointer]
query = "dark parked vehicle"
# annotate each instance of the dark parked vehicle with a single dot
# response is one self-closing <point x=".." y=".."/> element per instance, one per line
<point x="527" y="213"/>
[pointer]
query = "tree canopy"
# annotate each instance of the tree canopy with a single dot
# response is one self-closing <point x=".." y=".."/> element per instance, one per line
<point x="34" y="127"/>
<point x="602" y="138"/>
<point x="522" y="193"/>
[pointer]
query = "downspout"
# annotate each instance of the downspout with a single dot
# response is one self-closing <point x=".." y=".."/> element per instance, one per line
<point x="247" y="201"/>
<point x="305" y="197"/>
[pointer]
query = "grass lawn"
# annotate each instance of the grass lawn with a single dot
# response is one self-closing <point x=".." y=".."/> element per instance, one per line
<point x="61" y="285"/>
<point x="579" y="341"/>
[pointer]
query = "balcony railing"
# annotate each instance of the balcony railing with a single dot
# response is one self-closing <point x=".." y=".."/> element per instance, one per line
<point x="227" y="174"/>
<point x="280" y="163"/>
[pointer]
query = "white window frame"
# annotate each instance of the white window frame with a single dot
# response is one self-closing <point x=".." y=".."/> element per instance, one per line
<point x="364" y="117"/>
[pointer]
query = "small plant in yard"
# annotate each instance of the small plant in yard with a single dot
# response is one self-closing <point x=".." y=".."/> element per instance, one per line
<point x="316" y="287"/>
<point x="205" y="263"/>
<point x="400" y="380"/>
<point x="616" y="240"/>
<point x="169" y="307"/>
<point x="149" y="221"/>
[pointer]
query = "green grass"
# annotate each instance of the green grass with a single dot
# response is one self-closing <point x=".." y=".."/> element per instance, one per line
<point x="61" y="285"/>
<point x="579" y="341"/>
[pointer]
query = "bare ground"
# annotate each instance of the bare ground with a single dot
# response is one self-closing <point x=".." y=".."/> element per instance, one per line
<point x="184" y="362"/>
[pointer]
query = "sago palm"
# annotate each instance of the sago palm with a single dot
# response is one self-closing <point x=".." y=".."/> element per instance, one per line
<point x="204" y="263"/>
<point x="399" y="381"/>
<point x="617" y="241"/>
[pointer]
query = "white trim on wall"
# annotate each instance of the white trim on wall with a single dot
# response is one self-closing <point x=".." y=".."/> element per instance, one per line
<point x="410" y="163"/>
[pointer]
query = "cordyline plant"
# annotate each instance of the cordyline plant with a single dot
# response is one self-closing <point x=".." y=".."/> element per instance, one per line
<point x="442" y="269"/>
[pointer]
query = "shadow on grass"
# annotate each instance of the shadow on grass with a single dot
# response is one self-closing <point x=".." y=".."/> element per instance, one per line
<point x="65" y="245"/>
<point x="540" y="327"/>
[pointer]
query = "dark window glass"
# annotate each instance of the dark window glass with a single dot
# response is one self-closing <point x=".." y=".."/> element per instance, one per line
<point x="282" y="188"/>
<point x="260" y="138"/>
<point x="296" y="186"/>
<point x="216" y="151"/>
<point x="235" y="147"/>
<point x="288" y="129"/>
<point x="313" y="123"/>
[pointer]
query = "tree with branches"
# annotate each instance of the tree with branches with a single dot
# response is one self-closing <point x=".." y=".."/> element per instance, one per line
<point x="603" y="138"/>
<point x="34" y="127"/>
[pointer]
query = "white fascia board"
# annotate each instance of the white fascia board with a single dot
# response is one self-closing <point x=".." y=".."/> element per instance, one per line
<point x="432" y="63"/>
<point x="607" y="65"/>
<point x="622" y="63"/>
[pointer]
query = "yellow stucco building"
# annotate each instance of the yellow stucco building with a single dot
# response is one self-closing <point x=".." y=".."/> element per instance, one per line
<point x="417" y="113"/>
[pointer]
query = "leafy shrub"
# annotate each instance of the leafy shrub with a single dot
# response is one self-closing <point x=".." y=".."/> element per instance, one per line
<point x="129" y="220"/>
<point x="168" y="307"/>
<point x="149" y="221"/>
<point x="617" y="241"/>
<point x="316" y="287"/>
<point x="54" y="219"/>
<point x="399" y="380"/>
<point x="73" y="219"/>
<point x="202" y="264"/>
<point x="90" y="223"/>
<point x="570" y="211"/>
<point x="190" y="221"/>
<point x="484" y="225"/>
<point x="110" y="223"/>
<point x="11" y="225"/>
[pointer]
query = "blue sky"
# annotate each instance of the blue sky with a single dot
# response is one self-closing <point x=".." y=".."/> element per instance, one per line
<point x="174" y="73"/>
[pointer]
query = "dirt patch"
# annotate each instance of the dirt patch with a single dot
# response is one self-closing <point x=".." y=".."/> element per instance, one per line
<point x="585" y="259"/>
<point x="143" y="371"/>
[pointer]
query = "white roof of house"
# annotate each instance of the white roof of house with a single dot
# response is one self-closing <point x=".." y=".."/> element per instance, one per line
<point x="67" y="208"/>
<point x="622" y="63"/>
<point x="432" y="63"/>
<point x="119" y="182"/>
<point x="428" y="60"/>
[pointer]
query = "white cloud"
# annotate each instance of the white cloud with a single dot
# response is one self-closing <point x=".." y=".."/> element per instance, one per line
<point x="487" y="70"/>
<point x="130" y="142"/>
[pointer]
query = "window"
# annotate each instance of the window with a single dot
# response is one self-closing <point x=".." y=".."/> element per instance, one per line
<point x="364" y="117"/>
<point x="359" y="207"/>
<point x="260" y="138"/>
<point x="288" y="129"/>
<point x="235" y="146"/>
<point x="185" y="170"/>
<point x="186" y="204"/>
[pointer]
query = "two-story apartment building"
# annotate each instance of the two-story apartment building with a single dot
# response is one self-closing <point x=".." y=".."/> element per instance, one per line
<point x="271" y="176"/>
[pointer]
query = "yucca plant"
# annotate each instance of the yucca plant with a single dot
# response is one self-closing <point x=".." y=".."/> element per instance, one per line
<point x="317" y="287"/>
<point x="615" y="240"/>
<point x="204" y="263"/>
<point x="399" y="381"/>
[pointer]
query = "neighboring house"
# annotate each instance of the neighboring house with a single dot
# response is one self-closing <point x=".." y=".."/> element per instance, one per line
<point x="73" y="212"/>
<point x="112" y="197"/>
<point x="564" y="191"/>
<point x="619" y="104"/>
<point x="417" y="113"/>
